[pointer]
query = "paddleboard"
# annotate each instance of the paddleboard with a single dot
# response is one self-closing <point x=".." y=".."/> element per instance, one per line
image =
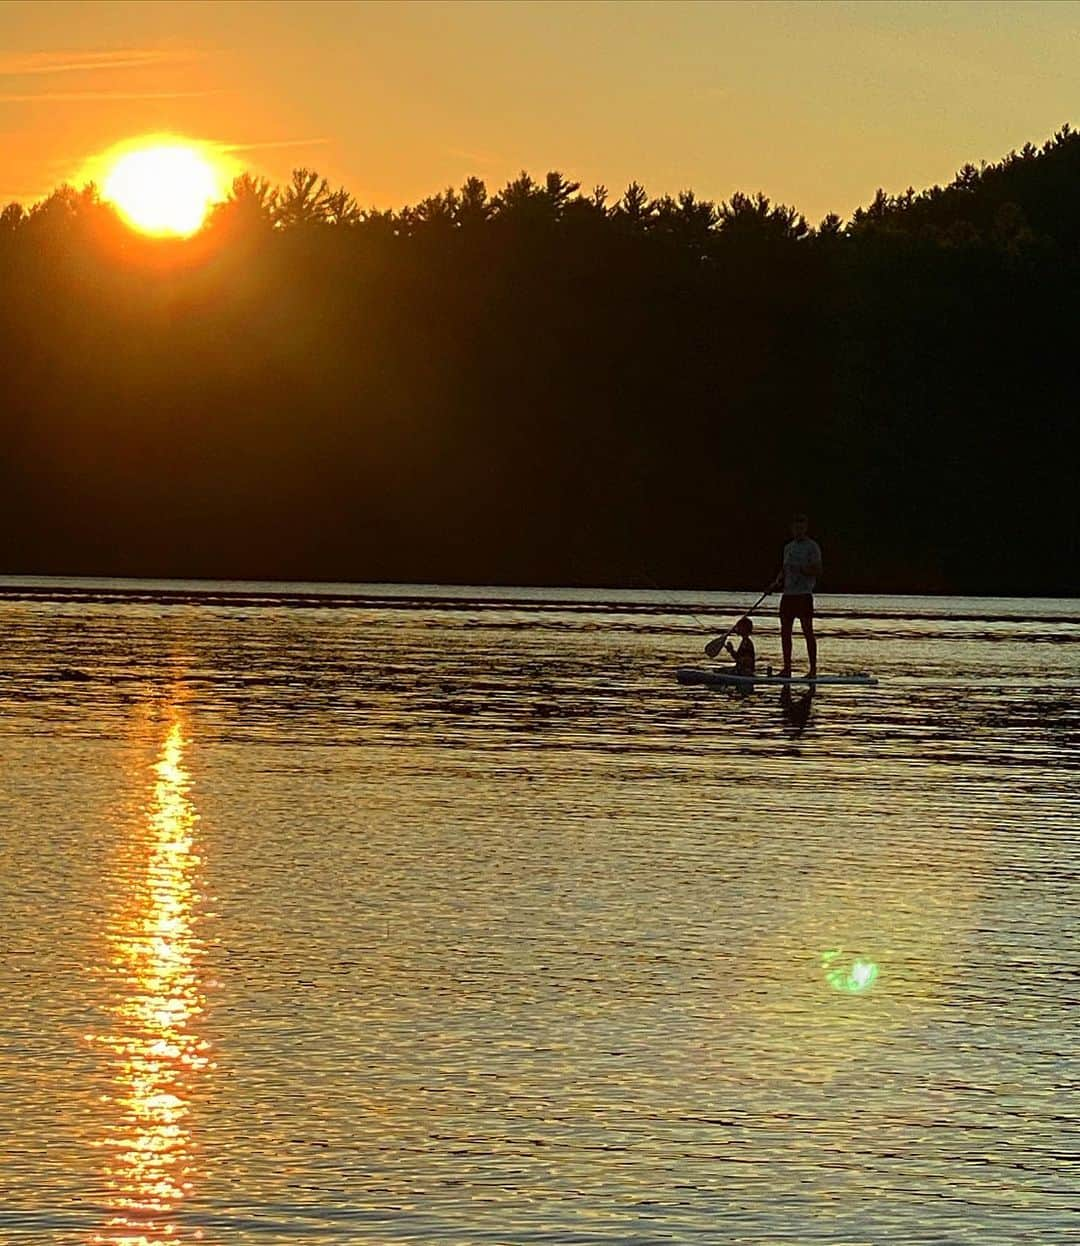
<point x="694" y="675"/>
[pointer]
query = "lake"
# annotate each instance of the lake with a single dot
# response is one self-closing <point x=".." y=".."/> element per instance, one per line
<point x="398" y="914"/>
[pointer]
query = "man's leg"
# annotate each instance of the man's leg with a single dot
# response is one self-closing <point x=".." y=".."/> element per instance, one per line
<point x="787" y="622"/>
<point x="811" y="640"/>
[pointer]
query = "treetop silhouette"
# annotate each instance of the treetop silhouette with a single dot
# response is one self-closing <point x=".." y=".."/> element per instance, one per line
<point x="549" y="384"/>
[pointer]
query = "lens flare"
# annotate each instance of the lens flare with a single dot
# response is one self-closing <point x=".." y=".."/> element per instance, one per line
<point x="851" y="975"/>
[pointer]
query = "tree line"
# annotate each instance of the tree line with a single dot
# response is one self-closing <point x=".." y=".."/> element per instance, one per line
<point x="550" y="385"/>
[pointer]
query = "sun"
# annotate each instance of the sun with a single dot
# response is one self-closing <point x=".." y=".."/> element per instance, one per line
<point x="163" y="187"/>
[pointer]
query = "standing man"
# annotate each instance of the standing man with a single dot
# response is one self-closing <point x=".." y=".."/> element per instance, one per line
<point x="798" y="575"/>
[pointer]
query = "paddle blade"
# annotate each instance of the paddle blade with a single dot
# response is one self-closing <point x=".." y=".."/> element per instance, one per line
<point x="715" y="645"/>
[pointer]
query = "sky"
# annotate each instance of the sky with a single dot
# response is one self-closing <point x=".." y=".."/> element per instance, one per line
<point x="816" y="104"/>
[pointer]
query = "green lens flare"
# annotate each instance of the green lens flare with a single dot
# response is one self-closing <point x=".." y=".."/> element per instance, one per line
<point x="852" y="975"/>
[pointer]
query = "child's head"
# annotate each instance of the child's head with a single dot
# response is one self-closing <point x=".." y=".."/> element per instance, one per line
<point x="744" y="627"/>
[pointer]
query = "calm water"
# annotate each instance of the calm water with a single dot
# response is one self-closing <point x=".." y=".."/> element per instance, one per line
<point x="367" y="917"/>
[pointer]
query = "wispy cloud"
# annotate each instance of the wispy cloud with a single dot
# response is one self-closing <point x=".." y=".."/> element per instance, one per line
<point x="15" y="66"/>
<point x="93" y="69"/>
<point x="70" y="97"/>
<point x="281" y="142"/>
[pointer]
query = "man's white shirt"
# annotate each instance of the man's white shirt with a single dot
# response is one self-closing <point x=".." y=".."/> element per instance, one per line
<point x="798" y="554"/>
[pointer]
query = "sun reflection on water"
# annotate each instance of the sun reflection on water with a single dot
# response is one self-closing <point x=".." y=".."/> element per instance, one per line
<point x="150" y="1155"/>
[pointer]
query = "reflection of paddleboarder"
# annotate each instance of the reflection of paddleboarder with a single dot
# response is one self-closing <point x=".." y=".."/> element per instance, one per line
<point x="798" y="576"/>
<point x="796" y="710"/>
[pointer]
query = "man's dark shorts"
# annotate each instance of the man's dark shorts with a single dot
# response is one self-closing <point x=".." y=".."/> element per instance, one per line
<point x="797" y="606"/>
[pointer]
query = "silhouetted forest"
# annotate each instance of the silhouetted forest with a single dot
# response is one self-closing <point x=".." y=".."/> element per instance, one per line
<point x="547" y="385"/>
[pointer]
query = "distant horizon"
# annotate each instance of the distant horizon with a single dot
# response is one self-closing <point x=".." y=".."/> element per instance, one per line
<point x="30" y="581"/>
<point x="614" y="192"/>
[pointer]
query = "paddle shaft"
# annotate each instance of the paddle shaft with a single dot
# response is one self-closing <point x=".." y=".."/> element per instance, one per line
<point x="717" y="643"/>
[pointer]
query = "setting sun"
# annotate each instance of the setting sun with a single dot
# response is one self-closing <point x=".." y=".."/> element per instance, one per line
<point x="164" y="188"/>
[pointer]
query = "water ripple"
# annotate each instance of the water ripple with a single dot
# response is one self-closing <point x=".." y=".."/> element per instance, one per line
<point x="389" y="915"/>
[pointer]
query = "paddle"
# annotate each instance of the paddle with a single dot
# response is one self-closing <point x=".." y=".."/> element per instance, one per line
<point x="717" y="643"/>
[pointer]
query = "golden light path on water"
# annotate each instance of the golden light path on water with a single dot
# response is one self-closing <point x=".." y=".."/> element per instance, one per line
<point x="149" y="1163"/>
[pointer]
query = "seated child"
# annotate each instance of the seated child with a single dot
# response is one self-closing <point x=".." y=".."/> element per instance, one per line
<point x="744" y="655"/>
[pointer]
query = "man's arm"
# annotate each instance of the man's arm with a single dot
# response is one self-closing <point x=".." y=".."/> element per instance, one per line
<point x="779" y="581"/>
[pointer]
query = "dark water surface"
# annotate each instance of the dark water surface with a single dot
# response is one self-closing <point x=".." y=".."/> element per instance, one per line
<point x="359" y="915"/>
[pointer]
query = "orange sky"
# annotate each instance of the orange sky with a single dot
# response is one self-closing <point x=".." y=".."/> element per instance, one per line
<point x="817" y="104"/>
